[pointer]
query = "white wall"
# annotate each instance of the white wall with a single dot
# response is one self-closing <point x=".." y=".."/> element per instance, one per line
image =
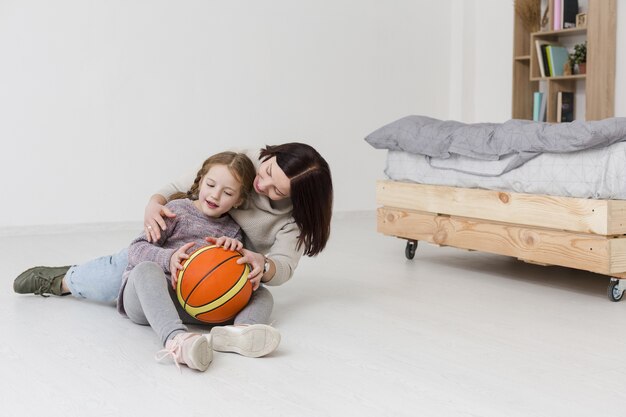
<point x="103" y="101"/>
<point x="491" y="97"/>
<point x="481" y="88"/>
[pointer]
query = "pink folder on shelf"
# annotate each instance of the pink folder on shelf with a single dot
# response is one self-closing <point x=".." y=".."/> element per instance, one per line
<point x="558" y="12"/>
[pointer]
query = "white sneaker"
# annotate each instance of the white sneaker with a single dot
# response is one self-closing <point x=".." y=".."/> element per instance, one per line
<point x="192" y="349"/>
<point x="252" y="340"/>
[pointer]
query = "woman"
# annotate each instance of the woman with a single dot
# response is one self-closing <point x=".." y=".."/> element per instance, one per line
<point x="288" y="215"/>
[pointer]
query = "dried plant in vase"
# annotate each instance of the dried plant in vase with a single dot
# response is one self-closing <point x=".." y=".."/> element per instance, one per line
<point x="529" y="12"/>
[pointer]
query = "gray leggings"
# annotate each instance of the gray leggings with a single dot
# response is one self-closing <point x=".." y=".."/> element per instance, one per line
<point x="150" y="300"/>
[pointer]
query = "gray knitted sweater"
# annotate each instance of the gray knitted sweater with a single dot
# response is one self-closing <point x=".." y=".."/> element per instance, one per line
<point x="189" y="225"/>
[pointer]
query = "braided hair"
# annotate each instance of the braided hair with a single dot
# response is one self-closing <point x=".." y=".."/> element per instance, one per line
<point x="237" y="163"/>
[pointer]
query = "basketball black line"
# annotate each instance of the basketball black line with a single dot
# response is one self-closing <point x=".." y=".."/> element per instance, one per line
<point x="233" y="286"/>
<point x="206" y="275"/>
<point x="234" y="295"/>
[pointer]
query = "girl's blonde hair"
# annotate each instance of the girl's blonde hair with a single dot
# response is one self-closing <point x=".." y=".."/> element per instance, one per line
<point x="237" y="163"/>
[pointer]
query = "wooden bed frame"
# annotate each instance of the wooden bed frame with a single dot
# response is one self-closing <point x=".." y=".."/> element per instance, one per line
<point x="578" y="233"/>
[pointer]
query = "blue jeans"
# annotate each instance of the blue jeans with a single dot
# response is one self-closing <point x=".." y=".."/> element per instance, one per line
<point x="99" y="279"/>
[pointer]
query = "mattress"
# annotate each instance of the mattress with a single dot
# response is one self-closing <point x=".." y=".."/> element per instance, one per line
<point x="592" y="173"/>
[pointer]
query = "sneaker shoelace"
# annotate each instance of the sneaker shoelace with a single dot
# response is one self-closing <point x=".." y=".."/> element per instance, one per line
<point x="45" y="285"/>
<point x="175" y="351"/>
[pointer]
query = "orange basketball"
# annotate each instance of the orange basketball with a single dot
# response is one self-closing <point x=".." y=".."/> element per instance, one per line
<point x="212" y="286"/>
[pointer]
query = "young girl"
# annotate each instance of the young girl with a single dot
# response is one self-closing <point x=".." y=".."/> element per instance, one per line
<point x="223" y="182"/>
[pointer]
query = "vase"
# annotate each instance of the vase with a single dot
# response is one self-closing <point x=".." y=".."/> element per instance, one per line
<point x="582" y="68"/>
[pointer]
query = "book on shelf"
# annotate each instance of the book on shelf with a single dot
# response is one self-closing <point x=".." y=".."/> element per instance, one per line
<point x="542" y="107"/>
<point x="541" y="56"/>
<point x="549" y="68"/>
<point x="557" y="57"/>
<point x="556" y="16"/>
<point x="565" y="106"/>
<point x="544" y="56"/>
<point x="539" y="106"/>
<point x="564" y="16"/>
<point x="536" y="105"/>
<point x="569" y="10"/>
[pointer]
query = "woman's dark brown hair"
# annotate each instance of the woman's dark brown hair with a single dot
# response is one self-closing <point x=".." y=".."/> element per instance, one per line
<point x="237" y="163"/>
<point x="311" y="192"/>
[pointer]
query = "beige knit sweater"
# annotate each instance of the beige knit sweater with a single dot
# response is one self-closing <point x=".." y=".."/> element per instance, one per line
<point x="268" y="226"/>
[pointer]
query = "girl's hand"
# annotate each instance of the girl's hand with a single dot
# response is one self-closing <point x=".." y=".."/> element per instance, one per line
<point x="226" y="242"/>
<point x="153" y="221"/>
<point x="256" y="262"/>
<point x="177" y="259"/>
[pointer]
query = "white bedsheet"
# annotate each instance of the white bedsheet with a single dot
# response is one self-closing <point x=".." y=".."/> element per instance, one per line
<point x="595" y="173"/>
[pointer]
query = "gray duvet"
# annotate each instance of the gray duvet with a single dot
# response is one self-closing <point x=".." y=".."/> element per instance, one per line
<point x="506" y="145"/>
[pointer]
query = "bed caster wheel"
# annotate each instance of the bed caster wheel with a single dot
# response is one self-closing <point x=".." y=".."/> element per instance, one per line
<point x="615" y="292"/>
<point x="411" y="247"/>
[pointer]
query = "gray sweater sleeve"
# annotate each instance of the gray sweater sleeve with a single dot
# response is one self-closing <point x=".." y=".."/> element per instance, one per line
<point x="141" y="250"/>
<point x="284" y="254"/>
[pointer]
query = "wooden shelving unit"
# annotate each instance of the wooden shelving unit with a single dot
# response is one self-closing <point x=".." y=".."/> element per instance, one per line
<point x="600" y="76"/>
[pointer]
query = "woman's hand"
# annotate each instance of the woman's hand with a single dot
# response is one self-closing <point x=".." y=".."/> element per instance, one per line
<point x="177" y="259"/>
<point x="153" y="221"/>
<point x="226" y="242"/>
<point x="256" y="262"/>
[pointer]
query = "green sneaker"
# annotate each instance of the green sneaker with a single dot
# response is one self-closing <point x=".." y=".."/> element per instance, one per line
<point x="40" y="280"/>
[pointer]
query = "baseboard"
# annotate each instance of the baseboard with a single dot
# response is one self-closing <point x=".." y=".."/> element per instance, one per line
<point x="54" y="229"/>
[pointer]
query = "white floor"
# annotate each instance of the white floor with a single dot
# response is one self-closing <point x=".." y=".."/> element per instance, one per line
<point x="365" y="333"/>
